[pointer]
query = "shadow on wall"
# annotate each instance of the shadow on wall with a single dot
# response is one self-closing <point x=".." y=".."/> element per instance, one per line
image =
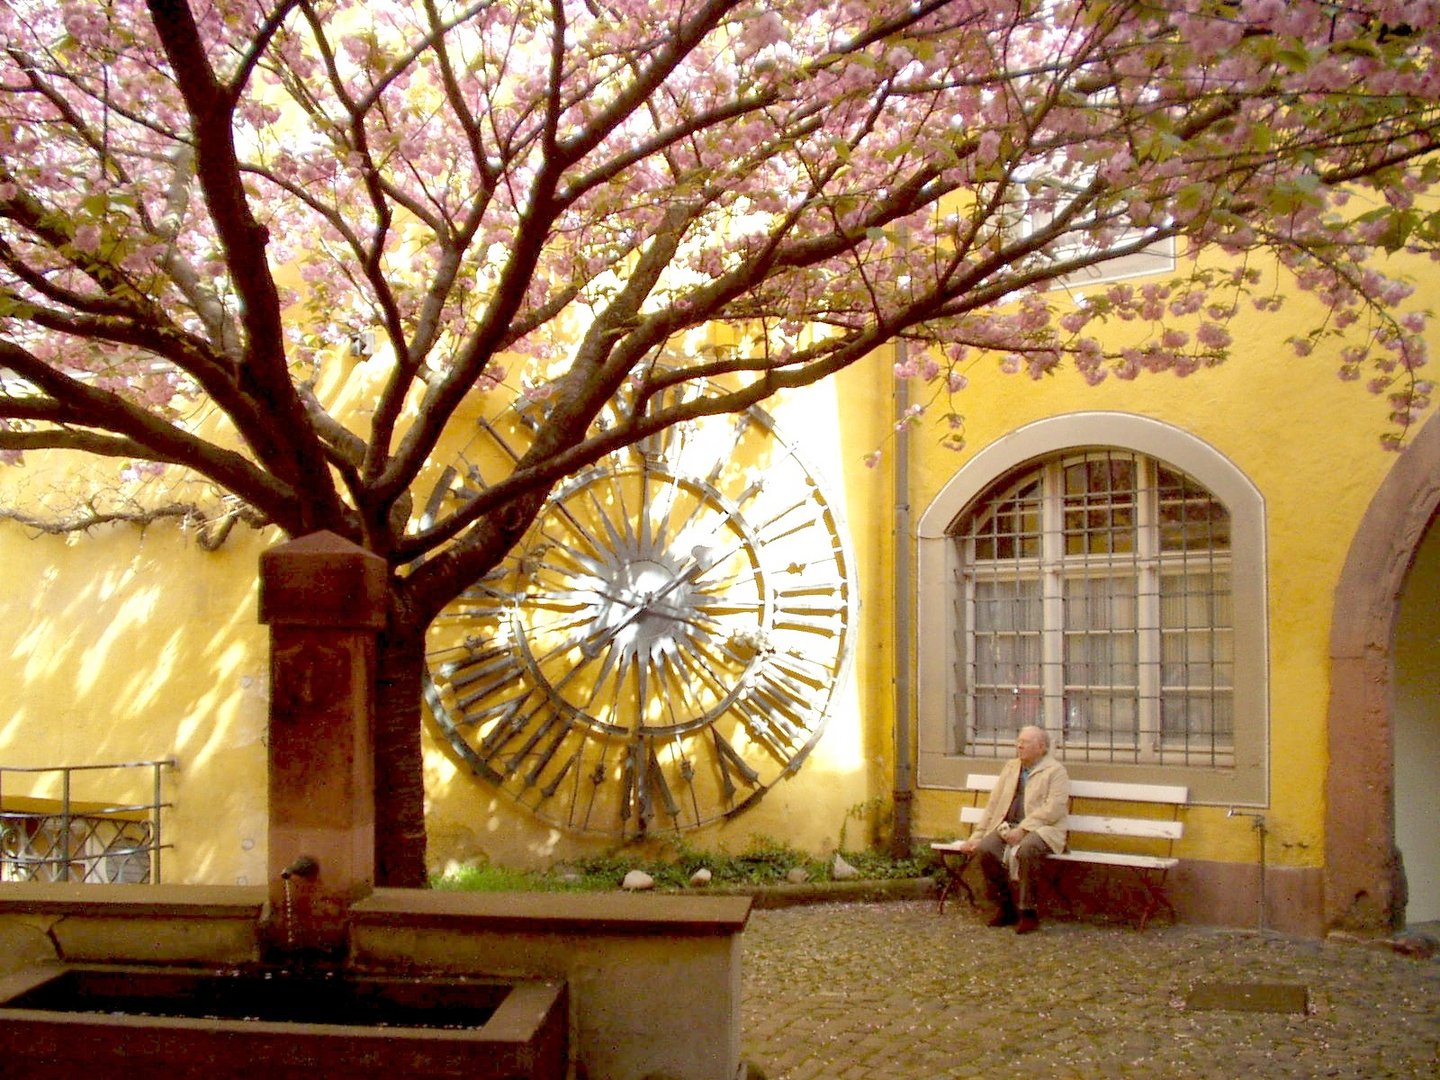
<point x="124" y="645"/>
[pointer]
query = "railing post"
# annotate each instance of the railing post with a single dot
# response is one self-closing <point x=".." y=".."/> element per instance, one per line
<point x="65" y="823"/>
<point x="155" y="825"/>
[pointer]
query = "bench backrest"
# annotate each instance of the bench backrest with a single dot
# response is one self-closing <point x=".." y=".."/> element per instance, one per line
<point x="1101" y="789"/>
<point x="1101" y="824"/>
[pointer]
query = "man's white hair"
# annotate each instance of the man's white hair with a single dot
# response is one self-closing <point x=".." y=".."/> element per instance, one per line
<point x="1044" y="735"/>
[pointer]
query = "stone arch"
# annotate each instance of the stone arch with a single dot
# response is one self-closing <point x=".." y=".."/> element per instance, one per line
<point x="1361" y="867"/>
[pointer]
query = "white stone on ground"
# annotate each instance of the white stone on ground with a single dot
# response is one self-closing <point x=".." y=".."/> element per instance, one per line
<point x="636" y="880"/>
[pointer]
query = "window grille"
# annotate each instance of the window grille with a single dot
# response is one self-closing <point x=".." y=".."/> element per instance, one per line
<point x="1093" y="599"/>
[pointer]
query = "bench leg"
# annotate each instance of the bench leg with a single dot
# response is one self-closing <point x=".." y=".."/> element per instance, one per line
<point x="954" y="880"/>
<point x="1155" y="895"/>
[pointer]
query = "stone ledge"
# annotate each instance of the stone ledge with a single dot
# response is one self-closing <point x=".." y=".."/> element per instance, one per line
<point x="131" y="901"/>
<point x="149" y="924"/>
<point x="556" y="913"/>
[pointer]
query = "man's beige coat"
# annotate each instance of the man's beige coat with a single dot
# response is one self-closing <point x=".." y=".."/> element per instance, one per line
<point x="1047" y="801"/>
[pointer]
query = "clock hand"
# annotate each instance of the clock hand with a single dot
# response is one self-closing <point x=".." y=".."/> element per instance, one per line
<point x="704" y="559"/>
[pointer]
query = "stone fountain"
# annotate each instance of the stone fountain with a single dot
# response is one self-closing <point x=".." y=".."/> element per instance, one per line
<point x="319" y="972"/>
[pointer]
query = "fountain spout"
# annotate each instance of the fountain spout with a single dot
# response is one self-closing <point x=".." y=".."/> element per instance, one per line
<point x="304" y="867"/>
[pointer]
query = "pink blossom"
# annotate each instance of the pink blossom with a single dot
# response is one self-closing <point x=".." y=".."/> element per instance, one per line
<point x="513" y="222"/>
<point x="761" y="32"/>
<point x="1212" y="336"/>
<point x="87" y="239"/>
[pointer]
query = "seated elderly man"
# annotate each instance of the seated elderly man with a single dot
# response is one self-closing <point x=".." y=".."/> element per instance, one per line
<point x="1020" y="826"/>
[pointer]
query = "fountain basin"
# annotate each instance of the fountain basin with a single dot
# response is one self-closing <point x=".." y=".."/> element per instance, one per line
<point x="139" y="1021"/>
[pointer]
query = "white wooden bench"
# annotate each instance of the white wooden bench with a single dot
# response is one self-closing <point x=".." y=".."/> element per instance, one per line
<point x="1149" y="869"/>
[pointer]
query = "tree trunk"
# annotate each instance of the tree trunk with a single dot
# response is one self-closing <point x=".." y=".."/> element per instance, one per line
<point x="399" y="765"/>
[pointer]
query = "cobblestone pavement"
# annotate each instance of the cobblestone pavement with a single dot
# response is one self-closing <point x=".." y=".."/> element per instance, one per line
<point x="893" y="991"/>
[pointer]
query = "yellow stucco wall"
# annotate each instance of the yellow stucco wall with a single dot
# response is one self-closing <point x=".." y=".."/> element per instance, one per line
<point x="1310" y="444"/>
<point x="123" y="645"/>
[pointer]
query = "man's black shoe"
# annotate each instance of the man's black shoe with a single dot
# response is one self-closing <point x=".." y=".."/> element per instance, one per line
<point x="1029" y="923"/>
<point x="1004" y="917"/>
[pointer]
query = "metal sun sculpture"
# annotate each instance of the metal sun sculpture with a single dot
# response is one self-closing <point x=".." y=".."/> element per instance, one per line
<point x="665" y="643"/>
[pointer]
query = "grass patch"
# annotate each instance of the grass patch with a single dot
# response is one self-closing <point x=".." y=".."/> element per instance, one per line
<point x="765" y="861"/>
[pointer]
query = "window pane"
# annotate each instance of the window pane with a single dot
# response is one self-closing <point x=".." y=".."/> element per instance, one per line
<point x="1190" y="519"/>
<point x="1099" y="505"/>
<point x="1100" y="726"/>
<point x="1197" y="666"/>
<point x="992" y="715"/>
<point x="1007" y="650"/>
<point x="1101" y="666"/>
<point x="1007" y="660"/>
<point x="1197" y="729"/>
<point x="1007" y="604"/>
<point x="1008" y="527"/>
<point x="1100" y="603"/>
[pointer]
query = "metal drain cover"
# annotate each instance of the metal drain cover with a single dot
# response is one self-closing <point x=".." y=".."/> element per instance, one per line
<point x="1249" y="997"/>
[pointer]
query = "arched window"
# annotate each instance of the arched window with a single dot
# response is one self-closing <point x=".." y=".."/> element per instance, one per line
<point x="1094" y="600"/>
<point x="1106" y="593"/>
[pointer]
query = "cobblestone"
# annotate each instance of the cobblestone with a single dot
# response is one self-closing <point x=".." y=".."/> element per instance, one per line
<point x="893" y="991"/>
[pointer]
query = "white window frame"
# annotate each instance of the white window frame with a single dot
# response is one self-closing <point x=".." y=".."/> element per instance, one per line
<point x="941" y="764"/>
<point x="1156" y="258"/>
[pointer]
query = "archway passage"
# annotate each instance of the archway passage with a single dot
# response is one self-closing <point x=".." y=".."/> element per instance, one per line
<point x="1417" y="732"/>
<point x="1363" y="890"/>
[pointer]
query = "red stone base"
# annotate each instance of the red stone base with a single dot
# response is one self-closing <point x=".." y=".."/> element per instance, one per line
<point x="1203" y="894"/>
<point x="1228" y="894"/>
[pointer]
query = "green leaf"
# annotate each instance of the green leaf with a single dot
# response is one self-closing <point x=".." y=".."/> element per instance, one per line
<point x="1398" y="229"/>
<point x="1192" y="197"/>
<point x="1295" y="58"/>
<point x="1357" y="47"/>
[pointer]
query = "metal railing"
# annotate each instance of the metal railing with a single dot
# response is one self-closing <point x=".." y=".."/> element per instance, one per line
<point x="106" y="844"/>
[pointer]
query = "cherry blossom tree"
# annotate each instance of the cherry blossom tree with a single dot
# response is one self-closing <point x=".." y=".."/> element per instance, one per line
<point x="590" y="204"/>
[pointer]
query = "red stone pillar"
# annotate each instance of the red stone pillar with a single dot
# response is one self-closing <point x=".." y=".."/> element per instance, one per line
<point x="324" y="600"/>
